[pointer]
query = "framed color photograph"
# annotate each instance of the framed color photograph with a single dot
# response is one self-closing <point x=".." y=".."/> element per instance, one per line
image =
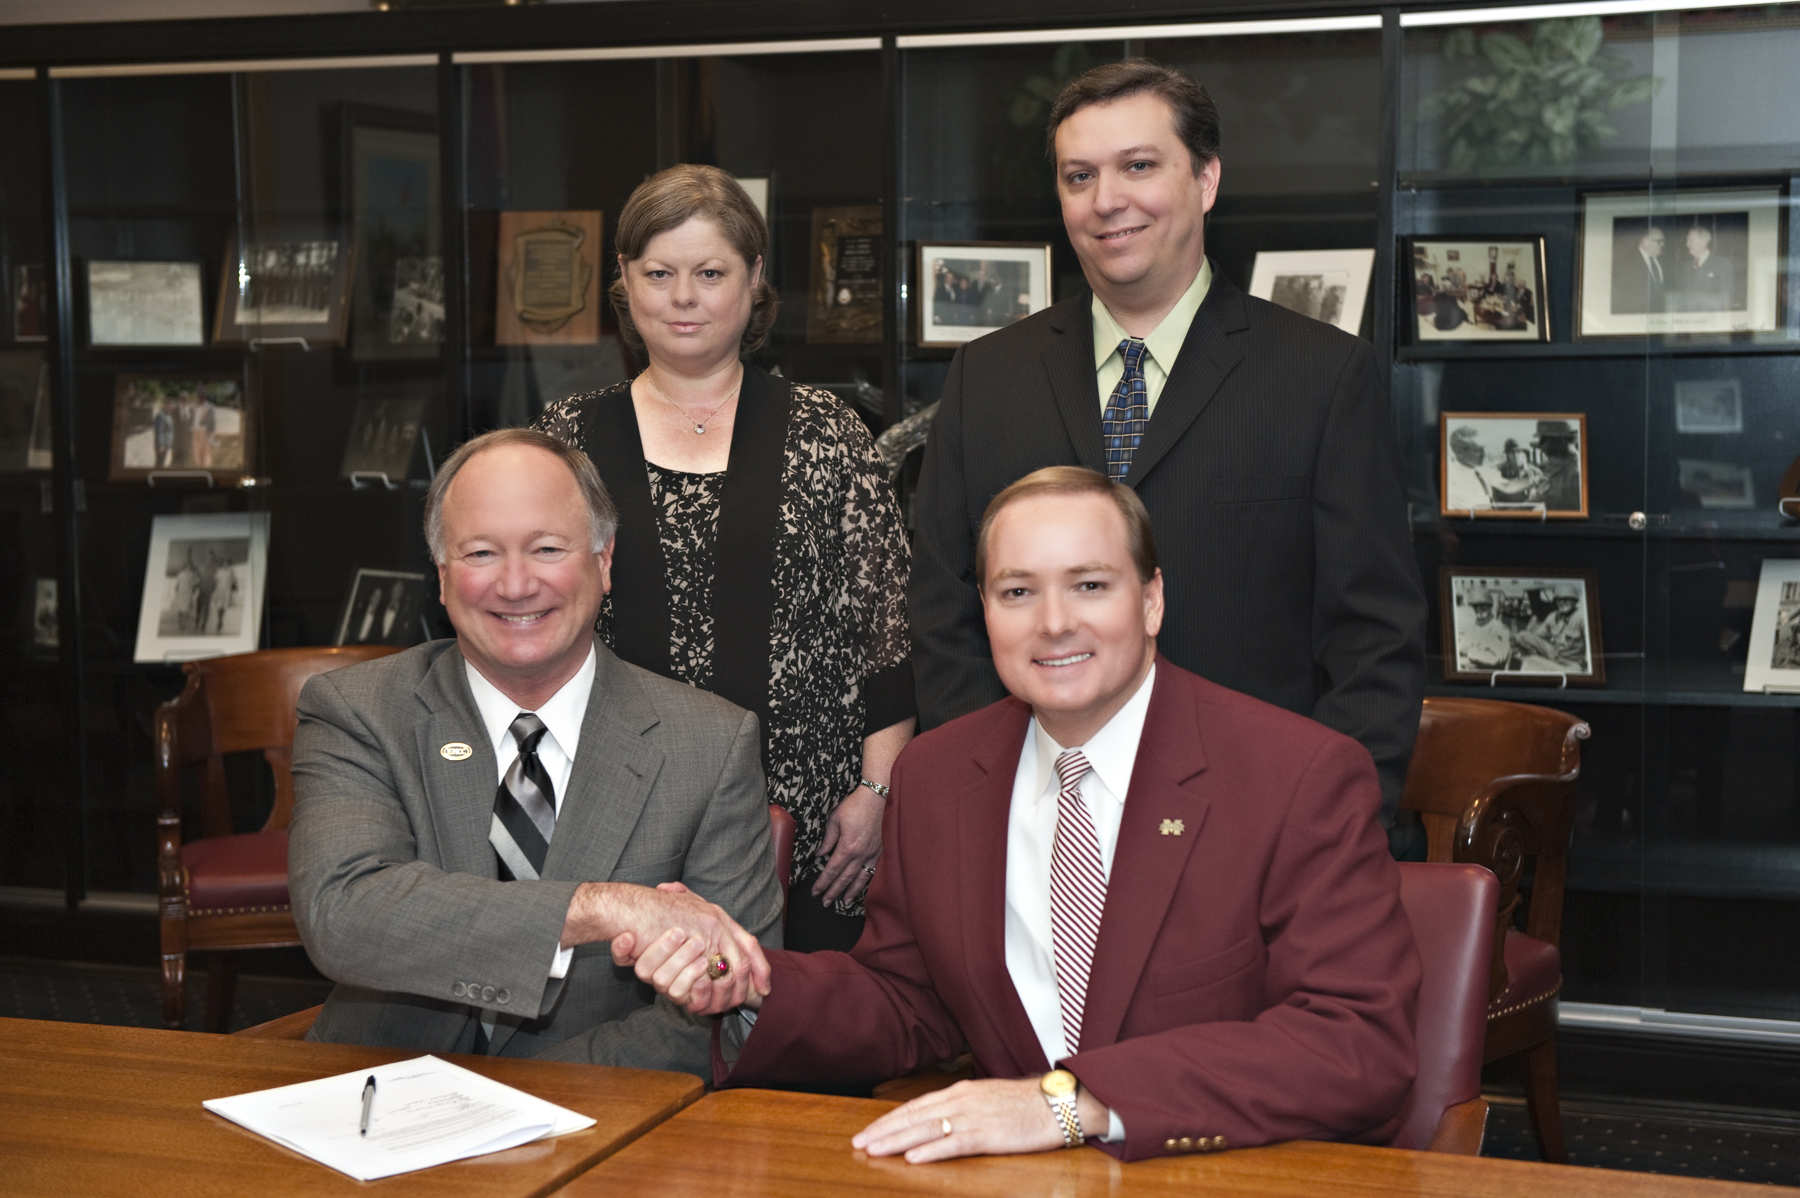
<point x="550" y="279"/>
<point x="144" y="303"/>
<point x="24" y="410"/>
<point x="968" y="289"/>
<point x="1534" y="623"/>
<point x="203" y="586"/>
<point x="1327" y="285"/>
<point x="1478" y="289"/>
<point x="1680" y="261"/>
<point x="391" y="198"/>
<point x="1774" y="662"/>
<point x="1527" y="465"/>
<point x="197" y="421"/>
<point x="1709" y="406"/>
<point x="844" y="295"/>
<point x="277" y="287"/>
<point x="383" y="435"/>
<point x="383" y="607"/>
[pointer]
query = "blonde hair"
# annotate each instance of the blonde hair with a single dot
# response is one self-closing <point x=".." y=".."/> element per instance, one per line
<point x="1074" y="480"/>
<point x="670" y="199"/>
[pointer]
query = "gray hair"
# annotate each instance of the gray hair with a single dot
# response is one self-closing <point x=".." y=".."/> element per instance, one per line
<point x="603" y="517"/>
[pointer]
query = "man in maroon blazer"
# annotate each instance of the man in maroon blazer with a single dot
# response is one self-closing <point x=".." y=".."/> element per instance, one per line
<point x="1159" y="912"/>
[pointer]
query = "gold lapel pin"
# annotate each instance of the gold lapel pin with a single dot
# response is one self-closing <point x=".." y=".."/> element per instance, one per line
<point x="456" y="751"/>
<point x="1173" y="827"/>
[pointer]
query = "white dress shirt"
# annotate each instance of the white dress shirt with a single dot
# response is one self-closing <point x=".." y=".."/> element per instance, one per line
<point x="562" y="714"/>
<point x="1030" y="834"/>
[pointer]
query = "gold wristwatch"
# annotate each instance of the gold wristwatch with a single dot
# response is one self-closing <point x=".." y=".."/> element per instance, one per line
<point x="1058" y="1087"/>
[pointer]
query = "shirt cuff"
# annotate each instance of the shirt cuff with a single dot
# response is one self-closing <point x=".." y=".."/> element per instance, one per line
<point x="559" y="967"/>
<point x="1115" y="1129"/>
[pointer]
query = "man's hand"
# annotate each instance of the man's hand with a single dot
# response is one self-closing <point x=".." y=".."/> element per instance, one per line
<point x="852" y="841"/>
<point x="670" y="920"/>
<point x="986" y="1118"/>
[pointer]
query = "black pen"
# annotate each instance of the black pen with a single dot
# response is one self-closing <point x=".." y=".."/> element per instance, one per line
<point x="368" y="1101"/>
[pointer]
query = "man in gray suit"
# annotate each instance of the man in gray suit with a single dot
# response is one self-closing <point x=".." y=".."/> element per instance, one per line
<point x="476" y="819"/>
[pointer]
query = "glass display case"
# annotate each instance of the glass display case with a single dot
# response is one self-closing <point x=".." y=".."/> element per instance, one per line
<point x="294" y="285"/>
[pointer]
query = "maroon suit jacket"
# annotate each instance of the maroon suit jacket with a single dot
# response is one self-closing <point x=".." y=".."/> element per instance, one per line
<point x="1255" y="974"/>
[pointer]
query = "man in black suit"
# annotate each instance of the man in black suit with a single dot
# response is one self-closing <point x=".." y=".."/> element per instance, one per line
<point x="1638" y="284"/>
<point x="1258" y="439"/>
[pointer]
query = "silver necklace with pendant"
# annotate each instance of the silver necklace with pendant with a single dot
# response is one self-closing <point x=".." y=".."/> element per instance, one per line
<point x="699" y="425"/>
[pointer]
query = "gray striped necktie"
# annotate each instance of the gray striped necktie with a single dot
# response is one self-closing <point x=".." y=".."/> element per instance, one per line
<point x="524" y="807"/>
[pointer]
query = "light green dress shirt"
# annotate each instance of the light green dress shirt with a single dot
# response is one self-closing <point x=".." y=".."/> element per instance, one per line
<point x="1162" y="345"/>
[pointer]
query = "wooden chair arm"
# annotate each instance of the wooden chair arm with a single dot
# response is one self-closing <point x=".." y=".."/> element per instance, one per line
<point x="924" y="1081"/>
<point x="1461" y="1129"/>
<point x="288" y="1027"/>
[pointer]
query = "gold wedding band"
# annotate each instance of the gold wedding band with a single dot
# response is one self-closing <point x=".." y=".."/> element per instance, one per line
<point x="946" y="1124"/>
<point x="717" y="966"/>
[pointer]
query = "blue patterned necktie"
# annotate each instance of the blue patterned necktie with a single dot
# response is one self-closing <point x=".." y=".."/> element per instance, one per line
<point x="1127" y="412"/>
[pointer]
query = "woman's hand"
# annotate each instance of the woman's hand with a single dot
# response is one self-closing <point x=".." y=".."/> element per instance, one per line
<point x="852" y="843"/>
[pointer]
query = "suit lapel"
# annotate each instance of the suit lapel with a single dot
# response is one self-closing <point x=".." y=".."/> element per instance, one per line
<point x="983" y="810"/>
<point x="1207" y="356"/>
<point x="1147" y="865"/>
<point x="460" y="792"/>
<point x="1069" y="365"/>
<point x="611" y="779"/>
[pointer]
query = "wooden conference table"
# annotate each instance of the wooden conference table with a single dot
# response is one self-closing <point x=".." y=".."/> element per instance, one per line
<point x="98" y="1111"/>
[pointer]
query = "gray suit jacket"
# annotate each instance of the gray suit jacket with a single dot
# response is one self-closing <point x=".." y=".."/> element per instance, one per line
<point x="395" y="888"/>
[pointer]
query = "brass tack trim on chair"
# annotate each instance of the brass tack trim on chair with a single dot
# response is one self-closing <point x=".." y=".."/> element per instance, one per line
<point x="1545" y="997"/>
<point x="205" y="911"/>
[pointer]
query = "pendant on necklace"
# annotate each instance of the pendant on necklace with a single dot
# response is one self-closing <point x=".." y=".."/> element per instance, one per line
<point x="699" y="430"/>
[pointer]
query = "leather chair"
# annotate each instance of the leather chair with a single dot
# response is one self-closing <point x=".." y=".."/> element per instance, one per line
<point x="1493" y="783"/>
<point x="781" y="827"/>
<point x="228" y="890"/>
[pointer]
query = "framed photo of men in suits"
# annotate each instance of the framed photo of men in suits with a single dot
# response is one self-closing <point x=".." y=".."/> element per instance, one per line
<point x="383" y="607"/>
<point x="277" y="288"/>
<point x="1327" y="285"/>
<point x="1680" y="261"/>
<point x="968" y="289"/>
<point x="1478" y="289"/>
<point x="1532" y="625"/>
<point x="1526" y="465"/>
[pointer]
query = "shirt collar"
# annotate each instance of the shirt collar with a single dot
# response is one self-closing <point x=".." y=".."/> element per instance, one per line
<point x="1164" y="342"/>
<point x="562" y="713"/>
<point x="1111" y="752"/>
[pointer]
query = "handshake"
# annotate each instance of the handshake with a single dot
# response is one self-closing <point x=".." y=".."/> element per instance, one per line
<point x="684" y="946"/>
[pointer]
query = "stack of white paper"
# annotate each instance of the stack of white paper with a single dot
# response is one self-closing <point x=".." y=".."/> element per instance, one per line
<point x="425" y="1112"/>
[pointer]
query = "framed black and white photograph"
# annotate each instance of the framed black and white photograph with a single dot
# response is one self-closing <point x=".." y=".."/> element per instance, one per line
<point x="1526" y="465"/>
<point x="1680" y="261"/>
<point x="45" y="639"/>
<point x="277" y="288"/>
<point x="384" y="607"/>
<point x="1478" y="289"/>
<point x="971" y="288"/>
<point x="28" y="322"/>
<point x="1540" y="626"/>
<point x="391" y="196"/>
<point x="186" y="421"/>
<point x="145" y="303"/>
<point x="383" y="435"/>
<point x="24" y="410"/>
<point x="1774" y="661"/>
<point x="203" y="586"/>
<point x="1717" y="484"/>
<point x="417" y="317"/>
<point x="1327" y="285"/>
<point x="1709" y="406"/>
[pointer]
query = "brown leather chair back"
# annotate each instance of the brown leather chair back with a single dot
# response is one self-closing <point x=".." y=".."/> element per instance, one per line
<point x="782" y="827"/>
<point x="1451" y="909"/>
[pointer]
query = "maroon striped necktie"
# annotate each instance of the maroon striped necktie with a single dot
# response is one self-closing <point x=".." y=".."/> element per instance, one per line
<point x="1077" y="894"/>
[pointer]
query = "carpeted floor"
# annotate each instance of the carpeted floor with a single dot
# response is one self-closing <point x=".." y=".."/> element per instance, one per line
<point x="1728" y="1145"/>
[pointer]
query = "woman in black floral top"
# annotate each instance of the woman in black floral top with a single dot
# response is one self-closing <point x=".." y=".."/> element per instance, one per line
<point x="760" y="552"/>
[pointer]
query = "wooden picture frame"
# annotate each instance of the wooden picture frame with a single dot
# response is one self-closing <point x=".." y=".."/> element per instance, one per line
<point x="1472" y="288"/>
<point x="283" y="286"/>
<point x="1513" y="465"/>
<point x="549" y="278"/>
<point x="391" y="206"/>
<point x="160" y="420"/>
<point x="1527" y="635"/>
<point x="968" y="289"/>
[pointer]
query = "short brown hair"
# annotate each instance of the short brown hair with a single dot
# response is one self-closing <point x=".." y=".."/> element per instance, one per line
<point x="603" y="517"/>
<point x="1196" y="116"/>
<point x="1074" y="480"/>
<point x="670" y="199"/>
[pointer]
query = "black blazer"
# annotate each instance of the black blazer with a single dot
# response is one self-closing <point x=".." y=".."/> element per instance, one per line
<point x="1274" y="483"/>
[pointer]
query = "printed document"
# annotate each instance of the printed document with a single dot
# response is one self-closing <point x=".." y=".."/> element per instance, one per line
<point x="425" y="1112"/>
